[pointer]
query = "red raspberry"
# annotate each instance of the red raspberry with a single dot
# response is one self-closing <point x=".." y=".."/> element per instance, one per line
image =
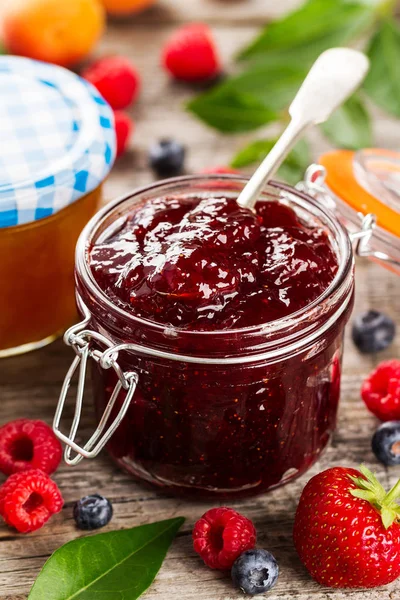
<point x="221" y="536"/>
<point x="220" y="170"/>
<point x="381" y="391"/>
<point x="26" y="444"/>
<point x="123" y="130"/>
<point x="29" y="499"/>
<point x="116" y="79"/>
<point x="190" y="54"/>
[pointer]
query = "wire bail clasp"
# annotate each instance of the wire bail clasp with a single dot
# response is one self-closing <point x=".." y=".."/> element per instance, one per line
<point x="81" y="340"/>
<point x="314" y="185"/>
<point x="362" y="237"/>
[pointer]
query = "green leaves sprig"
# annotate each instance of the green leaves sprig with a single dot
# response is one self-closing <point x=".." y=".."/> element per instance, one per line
<point x="117" y="564"/>
<point x="274" y="65"/>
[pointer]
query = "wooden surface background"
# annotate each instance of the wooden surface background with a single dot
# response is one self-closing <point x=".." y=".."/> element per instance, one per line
<point x="29" y="385"/>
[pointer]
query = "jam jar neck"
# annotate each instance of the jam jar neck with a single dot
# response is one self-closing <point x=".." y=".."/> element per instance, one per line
<point x="270" y="341"/>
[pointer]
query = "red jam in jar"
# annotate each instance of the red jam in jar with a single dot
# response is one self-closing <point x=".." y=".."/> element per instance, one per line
<point x="234" y="321"/>
<point x="206" y="264"/>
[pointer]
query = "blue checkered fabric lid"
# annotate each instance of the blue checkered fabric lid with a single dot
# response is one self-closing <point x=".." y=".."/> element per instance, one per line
<point x="57" y="139"/>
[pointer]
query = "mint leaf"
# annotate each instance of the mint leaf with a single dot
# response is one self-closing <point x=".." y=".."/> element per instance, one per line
<point x="383" y="80"/>
<point x="314" y="27"/>
<point x="118" y="564"/>
<point x="250" y="100"/>
<point x="293" y="168"/>
<point x="350" y="126"/>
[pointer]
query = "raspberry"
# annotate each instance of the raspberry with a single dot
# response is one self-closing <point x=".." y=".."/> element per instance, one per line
<point x="116" y="79"/>
<point x="381" y="391"/>
<point x="26" y="444"/>
<point x="123" y="130"/>
<point x="221" y="535"/>
<point x="29" y="499"/>
<point x="190" y="54"/>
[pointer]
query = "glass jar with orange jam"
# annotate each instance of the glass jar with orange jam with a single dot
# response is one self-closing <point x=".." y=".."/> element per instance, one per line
<point x="58" y="147"/>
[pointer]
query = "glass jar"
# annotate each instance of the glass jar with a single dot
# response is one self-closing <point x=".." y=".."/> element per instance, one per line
<point x="230" y="412"/>
<point x="362" y="183"/>
<point x="59" y="145"/>
<point x="34" y="319"/>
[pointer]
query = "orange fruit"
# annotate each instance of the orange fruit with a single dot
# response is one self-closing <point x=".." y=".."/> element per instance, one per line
<point x="56" y="31"/>
<point x="126" y="7"/>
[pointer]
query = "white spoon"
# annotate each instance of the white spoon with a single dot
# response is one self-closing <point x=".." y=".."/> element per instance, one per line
<point x="332" y="79"/>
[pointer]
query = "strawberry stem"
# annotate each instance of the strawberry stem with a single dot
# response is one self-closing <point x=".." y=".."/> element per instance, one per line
<point x="369" y="489"/>
<point x="394" y="493"/>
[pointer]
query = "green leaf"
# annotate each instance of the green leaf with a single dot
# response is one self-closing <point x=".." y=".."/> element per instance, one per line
<point x="292" y="169"/>
<point x="349" y="126"/>
<point x="314" y="27"/>
<point x="118" y="564"/>
<point x="250" y="100"/>
<point x="231" y="111"/>
<point x="252" y="153"/>
<point x="383" y="80"/>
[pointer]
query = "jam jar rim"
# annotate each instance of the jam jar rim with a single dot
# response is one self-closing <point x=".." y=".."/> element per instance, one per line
<point x="339" y="285"/>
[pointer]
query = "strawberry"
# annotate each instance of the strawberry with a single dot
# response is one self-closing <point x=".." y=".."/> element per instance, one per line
<point x="347" y="529"/>
<point x="190" y="54"/>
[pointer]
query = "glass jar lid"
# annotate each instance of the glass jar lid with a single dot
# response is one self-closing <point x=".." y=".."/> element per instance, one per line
<point x="362" y="189"/>
<point x="58" y="139"/>
<point x="368" y="181"/>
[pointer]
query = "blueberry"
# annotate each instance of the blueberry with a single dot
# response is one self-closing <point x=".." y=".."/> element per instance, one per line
<point x="386" y="443"/>
<point x="255" y="572"/>
<point x="92" y="512"/>
<point x="373" y="331"/>
<point x="167" y="157"/>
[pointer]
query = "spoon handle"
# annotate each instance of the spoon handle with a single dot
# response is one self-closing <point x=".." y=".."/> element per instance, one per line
<point x="271" y="163"/>
<point x="331" y="80"/>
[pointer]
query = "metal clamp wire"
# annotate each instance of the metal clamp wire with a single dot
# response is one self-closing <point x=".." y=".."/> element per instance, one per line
<point x="80" y="339"/>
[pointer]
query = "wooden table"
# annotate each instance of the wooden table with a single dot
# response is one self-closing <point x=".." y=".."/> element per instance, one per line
<point x="29" y="385"/>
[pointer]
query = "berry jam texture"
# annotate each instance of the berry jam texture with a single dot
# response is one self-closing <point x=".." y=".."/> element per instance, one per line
<point x="208" y="265"/>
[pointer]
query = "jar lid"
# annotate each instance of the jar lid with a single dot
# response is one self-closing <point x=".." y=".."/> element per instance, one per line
<point x="58" y="139"/>
<point x="368" y="181"/>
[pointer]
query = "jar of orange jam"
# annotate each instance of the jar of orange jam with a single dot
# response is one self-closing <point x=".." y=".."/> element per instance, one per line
<point x="58" y="145"/>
